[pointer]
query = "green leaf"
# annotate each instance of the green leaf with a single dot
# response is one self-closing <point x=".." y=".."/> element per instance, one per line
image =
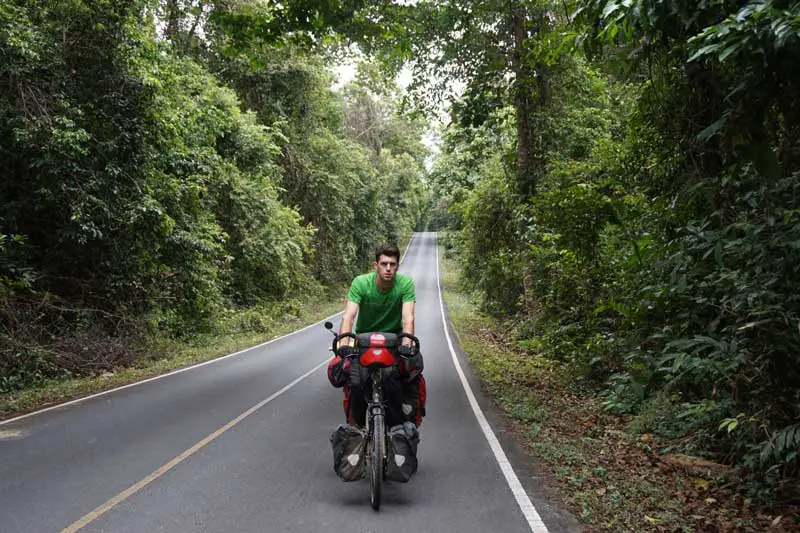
<point x="780" y="442"/>
<point x="718" y="254"/>
<point x="713" y="129"/>
<point x="729" y="424"/>
<point x="704" y="51"/>
<point x="731" y="49"/>
<point x="610" y="8"/>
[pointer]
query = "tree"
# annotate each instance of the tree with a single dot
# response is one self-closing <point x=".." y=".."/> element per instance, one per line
<point x="493" y="47"/>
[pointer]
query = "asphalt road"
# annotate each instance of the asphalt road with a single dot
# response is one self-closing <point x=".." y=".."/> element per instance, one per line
<point x="241" y="444"/>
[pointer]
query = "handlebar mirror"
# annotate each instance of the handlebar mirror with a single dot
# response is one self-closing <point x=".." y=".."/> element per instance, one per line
<point x="328" y="325"/>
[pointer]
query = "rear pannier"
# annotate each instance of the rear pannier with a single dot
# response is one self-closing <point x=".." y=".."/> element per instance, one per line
<point x="348" y="444"/>
<point x="401" y="460"/>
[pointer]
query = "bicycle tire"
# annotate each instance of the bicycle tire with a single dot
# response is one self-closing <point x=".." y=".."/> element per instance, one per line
<point x="376" y="462"/>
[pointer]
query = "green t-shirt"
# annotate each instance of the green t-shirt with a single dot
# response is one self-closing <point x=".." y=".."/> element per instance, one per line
<point x="381" y="311"/>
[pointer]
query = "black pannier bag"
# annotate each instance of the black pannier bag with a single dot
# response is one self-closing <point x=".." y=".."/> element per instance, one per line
<point x="348" y="444"/>
<point x="357" y="375"/>
<point x="401" y="457"/>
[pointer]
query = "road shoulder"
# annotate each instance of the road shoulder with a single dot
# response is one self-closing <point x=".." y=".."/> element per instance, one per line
<point x="613" y="479"/>
<point x="531" y="475"/>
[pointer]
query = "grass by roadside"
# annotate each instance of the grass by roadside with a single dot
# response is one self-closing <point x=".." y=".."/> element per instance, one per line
<point x="170" y="355"/>
<point x="609" y="476"/>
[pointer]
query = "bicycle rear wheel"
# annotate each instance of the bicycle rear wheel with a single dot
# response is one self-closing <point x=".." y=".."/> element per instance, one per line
<point x="376" y="462"/>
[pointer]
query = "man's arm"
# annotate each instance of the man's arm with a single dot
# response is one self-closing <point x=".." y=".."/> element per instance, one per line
<point x="408" y="320"/>
<point x="348" y="318"/>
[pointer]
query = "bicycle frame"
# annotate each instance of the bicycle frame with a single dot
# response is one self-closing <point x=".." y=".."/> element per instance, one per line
<point x="376" y="439"/>
<point x="375" y="406"/>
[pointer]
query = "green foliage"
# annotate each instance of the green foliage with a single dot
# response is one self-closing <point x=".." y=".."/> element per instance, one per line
<point x="352" y="163"/>
<point x="168" y="165"/>
<point x="658" y="256"/>
<point x="490" y="256"/>
<point x="718" y="301"/>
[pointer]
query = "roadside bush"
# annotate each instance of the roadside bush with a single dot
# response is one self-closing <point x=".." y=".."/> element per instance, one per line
<point x="490" y="253"/>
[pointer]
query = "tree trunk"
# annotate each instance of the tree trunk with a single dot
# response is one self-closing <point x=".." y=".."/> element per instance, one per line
<point x="173" y="13"/>
<point x="523" y="105"/>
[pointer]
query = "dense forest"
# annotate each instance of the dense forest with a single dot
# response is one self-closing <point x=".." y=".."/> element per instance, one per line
<point x="619" y="179"/>
<point x="623" y="180"/>
<point x="165" y="165"/>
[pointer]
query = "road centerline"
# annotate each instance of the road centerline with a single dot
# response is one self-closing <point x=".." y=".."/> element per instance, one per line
<point x="166" y="467"/>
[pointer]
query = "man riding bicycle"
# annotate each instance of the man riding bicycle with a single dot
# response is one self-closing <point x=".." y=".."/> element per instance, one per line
<point x="384" y="301"/>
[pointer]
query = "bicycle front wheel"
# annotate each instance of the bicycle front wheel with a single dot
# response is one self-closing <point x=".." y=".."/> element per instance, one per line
<point x="376" y="462"/>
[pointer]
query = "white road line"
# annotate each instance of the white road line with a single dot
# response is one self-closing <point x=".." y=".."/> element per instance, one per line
<point x="133" y="489"/>
<point x="525" y="504"/>
<point x="408" y="247"/>
<point x="154" y="378"/>
<point x="174" y="372"/>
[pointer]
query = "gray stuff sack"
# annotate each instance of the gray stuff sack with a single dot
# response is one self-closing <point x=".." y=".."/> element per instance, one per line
<point x="401" y="460"/>
<point x="348" y="443"/>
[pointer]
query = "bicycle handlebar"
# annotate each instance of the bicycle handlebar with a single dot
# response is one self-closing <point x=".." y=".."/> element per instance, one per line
<point x="337" y="337"/>
<point x="409" y="336"/>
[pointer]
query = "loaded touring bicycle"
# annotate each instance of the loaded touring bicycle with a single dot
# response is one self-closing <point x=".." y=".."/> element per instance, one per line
<point x="375" y="450"/>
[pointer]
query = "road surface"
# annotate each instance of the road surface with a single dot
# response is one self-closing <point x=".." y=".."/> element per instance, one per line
<point x="241" y="444"/>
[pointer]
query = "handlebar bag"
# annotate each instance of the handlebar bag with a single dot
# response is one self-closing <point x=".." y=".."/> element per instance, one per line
<point x="377" y="338"/>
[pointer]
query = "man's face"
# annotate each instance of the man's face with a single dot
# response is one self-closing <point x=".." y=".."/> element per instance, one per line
<point x="386" y="267"/>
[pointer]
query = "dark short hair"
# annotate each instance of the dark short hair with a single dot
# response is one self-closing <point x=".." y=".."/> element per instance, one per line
<point x="389" y="250"/>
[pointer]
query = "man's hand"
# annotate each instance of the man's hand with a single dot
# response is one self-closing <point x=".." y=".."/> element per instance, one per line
<point x="406" y="350"/>
<point x="413" y="358"/>
<point x="346" y="351"/>
<point x="337" y="373"/>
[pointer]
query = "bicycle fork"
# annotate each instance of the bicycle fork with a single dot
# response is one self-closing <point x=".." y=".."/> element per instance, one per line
<point x="376" y="418"/>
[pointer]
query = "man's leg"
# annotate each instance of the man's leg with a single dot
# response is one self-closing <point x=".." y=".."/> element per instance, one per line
<point x="414" y="396"/>
<point x="392" y="384"/>
<point x="414" y="389"/>
<point x="405" y="400"/>
<point x="355" y="407"/>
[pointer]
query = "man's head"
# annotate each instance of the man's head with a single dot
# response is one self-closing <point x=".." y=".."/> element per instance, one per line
<point x="387" y="259"/>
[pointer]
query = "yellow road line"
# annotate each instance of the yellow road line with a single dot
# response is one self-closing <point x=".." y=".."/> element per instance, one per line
<point x="133" y="489"/>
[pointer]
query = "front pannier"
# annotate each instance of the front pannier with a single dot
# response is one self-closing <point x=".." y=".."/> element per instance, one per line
<point x="357" y="375"/>
<point x="348" y="443"/>
<point x="337" y="373"/>
<point x="401" y="460"/>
